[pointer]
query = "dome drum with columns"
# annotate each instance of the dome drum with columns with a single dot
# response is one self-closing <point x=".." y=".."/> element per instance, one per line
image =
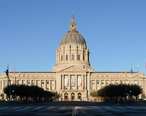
<point x="72" y="50"/>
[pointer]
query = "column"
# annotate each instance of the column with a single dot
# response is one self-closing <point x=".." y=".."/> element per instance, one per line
<point x="76" y="96"/>
<point x="85" y="81"/>
<point x="142" y="83"/>
<point x="55" y="84"/>
<point x="91" y="84"/>
<point x="76" y="82"/>
<point x="41" y="83"/>
<point x="138" y="81"/>
<point x="105" y="83"/>
<point x="86" y="55"/>
<point x="69" y="53"/>
<point x="100" y="84"/>
<point x="88" y="82"/>
<point x="63" y="53"/>
<point x="31" y="83"/>
<point x="129" y="81"/>
<point x="63" y="96"/>
<point x="89" y="55"/>
<point x="50" y="84"/>
<point x="82" y="82"/>
<point x="95" y="85"/>
<point x="76" y="54"/>
<point x="62" y="81"/>
<point x="69" y="81"/>
<point x="35" y="82"/>
<point x="69" y="96"/>
<point x="22" y="82"/>
<point x="2" y="84"/>
<point x="45" y="84"/>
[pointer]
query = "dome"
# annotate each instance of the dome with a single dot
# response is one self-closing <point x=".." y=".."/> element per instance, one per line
<point x="73" y="36"/>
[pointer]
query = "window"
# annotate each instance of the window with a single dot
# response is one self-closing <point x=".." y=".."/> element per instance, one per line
<point x="17" y="82"/>
<point x="42" y="82"/>
<point x="78" y="57"/>
<point x="66" y="57"/>
<point x="61" y="57"/>
<point x="97" y="82"/>
<point x="72" y="57"/>
<point x="79" y="96"/>
<point x="47" y="82"/>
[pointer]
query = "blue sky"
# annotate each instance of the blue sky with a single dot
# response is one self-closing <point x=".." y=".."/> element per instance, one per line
<point x="114" y="30"/>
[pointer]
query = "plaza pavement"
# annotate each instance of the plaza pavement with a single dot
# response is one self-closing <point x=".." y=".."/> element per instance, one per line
<point x="72" y="109"/>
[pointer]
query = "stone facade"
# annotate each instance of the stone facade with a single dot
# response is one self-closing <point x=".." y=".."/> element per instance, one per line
<point x="73" y="77"/>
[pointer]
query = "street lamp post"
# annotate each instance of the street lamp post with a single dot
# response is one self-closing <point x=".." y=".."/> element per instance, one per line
<point x="8" y="84"/>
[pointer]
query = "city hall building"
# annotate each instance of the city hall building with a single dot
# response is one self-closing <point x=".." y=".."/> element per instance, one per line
<point x="73" y="77"/>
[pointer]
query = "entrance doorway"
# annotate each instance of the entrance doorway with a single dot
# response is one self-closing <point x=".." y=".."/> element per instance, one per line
<point x="66" y="96"/>
<point x="79" y="96"/>
<point x="72" y="96"/>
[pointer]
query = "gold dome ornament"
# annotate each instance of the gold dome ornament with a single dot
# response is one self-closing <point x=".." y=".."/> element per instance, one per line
<point x="72" y="24"/>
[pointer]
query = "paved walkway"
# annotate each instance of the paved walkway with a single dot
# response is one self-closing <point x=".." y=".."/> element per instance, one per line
<point x="72" y="110"/>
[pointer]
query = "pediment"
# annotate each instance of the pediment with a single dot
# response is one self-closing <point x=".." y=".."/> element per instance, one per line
<point x="72" y="69"/>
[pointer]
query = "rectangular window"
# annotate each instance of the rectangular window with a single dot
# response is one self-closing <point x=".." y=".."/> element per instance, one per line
<point x="78" y="57"/>
<point x="42" y="82"/>
<point x="17" y="82"/>
<point x="61" y="57"/>
<point x="84" y="56"/>
<point x="66" y="57"/>
<point x="47" y="82"/>
<point x="72" y="57"/>
<point x="28" y="82"/>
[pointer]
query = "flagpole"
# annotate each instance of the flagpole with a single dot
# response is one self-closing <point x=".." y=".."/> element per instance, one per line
<point x="19" y="73"/>
<point x="14" y="75"/>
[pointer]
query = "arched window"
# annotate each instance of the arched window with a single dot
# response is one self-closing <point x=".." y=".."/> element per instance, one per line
<point x="79" y="96"/>
<point x="72" y="56"/>
<point x="66" y="57"/>
<point x="72" y="96"/>
<point x="61" y="57"/>
<point x="78" y="57"/>
<point x="66" y="96"/>
<point x="84" y="57"/>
